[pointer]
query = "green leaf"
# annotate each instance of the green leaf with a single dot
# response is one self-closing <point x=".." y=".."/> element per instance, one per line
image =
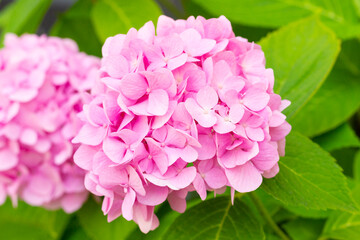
<point x="77" y="25"/>
<point x="309" y="177"/>
<point x="216" y="219"/>
<point x="26" y="16"/>
<point x="335" y="102"/>
<point x="340" y="15"/>
<point x="33" y="222"/>
<point x="338" y="98"/>
<point x="304" y="229"/>
<point x="96" y="226"/>
<point x="301" y="54"/>
<point x="344" y="225"/>
<point x="341" y="137"/>
<point x="74" y="231"/>
<point x="111" y="17"/>
<point x="308" y="213"/>
<point x="345" y="158"/>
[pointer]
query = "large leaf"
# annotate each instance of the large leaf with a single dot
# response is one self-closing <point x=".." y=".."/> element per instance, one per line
<point x="216" y="219"/>
<point x="344" y="225"/>
<point x="77" y="25"/>
<point x="357" y="167"/>
<point x="112" y="17"/>
<point x="337" y="99"/>
<point x="33" y="223"/>
<point x="340" y="15"/>
<point x="301" y="54"/>
<point x="26" y="16"/>
<point x="341" y="137"/>
<point x="96" y="226"/>
<point x="309" y="177"/>
<point x="334" y="103"/>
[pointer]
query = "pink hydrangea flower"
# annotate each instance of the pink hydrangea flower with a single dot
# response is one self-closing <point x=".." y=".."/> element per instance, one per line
<point x="43" y="84"/>
<point x="189" y="109"/>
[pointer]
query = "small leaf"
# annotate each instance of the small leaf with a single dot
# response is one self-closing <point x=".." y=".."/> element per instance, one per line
<point x="96" y="226"/>
<point x="32" y="222"/>
<point x="216" y="219"/>
<point x="111" y="17"/>
<point x="26" y="16"/>
<point x="309" y="177"/>
<point x="340" y="15"/>
<point x="77" y="25"/>
<point x="301" y="54"/>
<point x="341" y="137"/>
<point x="304" y="229"/>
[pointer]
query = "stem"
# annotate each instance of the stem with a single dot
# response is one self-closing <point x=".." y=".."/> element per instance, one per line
<point x="266" y="215"/>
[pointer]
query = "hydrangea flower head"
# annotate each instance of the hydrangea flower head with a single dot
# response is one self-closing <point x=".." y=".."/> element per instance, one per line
<point x="43" y="84"/>
<point x="190" y="108"/>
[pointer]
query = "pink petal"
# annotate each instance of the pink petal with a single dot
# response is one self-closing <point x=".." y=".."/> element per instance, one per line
<point x="184" y="178"/>
<point x="177" y="61"/>
<point x="127" y="206"/>
<point x="278" y="133"/>
<point x="207" y="98"/>
<point x="267" y="157"/>
<point x="236" y="113"/>
<point x="90" y="135"/>
<point x="114" y="150"/>
<point x="223" y="126"/>
<point x="255" y="134"/>
<point x="72" y="202"/>
<point x="158" y="102"/>
<point x="8" y="159"/>
<point x="172" y="46"/>
<point x="208" y="147"/>
<point x="154" y="195"/>
<point x="256" y="99"/>
<point x="199" y="186"/>
<point x="215" y="178"/>
<point x="189" y="154"/>
<point x="176" y="202"/>
<point x="133" y="86"/>
<point x="115" y="65"/>
<point x="244" y="178"/>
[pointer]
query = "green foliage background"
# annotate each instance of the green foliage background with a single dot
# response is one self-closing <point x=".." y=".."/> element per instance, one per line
<point x="313" y="47"/>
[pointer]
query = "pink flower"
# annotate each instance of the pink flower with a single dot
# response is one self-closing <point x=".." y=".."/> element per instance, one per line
<point x="189" y="109"/>
<point x="43" y="84"/>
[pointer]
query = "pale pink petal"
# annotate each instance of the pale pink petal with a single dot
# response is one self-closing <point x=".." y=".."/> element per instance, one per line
<point x="267" y="157"/>
<point x="208" y="147"/>
<point x="114" y="149"/>
<point x="133" y="86"/>
<point x="154" y="195"/>
<point x="115" y="65"/>
<point x="256" y="100"/>
<point x="158" y="102"/>
<point x="200" y="187"/>
<point x="90" y="135"/>
<point x="207" y="98"/>
<point x="215" y="178"/>
<point x="127" y="206"/>
<point x="244" y="178"/>
<point x="8" y="159"/>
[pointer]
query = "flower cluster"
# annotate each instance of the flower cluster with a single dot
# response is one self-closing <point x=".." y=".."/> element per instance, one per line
<point x="43" y="84"/>
<point x="191" y="108"/>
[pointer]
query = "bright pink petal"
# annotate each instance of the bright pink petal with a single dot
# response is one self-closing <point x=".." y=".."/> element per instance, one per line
<point x="208" y="147"/>
<point x="215" y="178"/>
<point x="114" y="149"/>
<point x="90" y="135"/>
<point x="115" y="65"/>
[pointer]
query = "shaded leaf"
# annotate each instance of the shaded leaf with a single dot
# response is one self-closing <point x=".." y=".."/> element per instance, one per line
<point x="96" y="226"/>
<point x="304" y="229"/>
<point x="26" y="16"/>
<point x="111" y="17"/>
<point x="33" y="222"/>
<point x="341" y="137"/>
<point x="77" y="25"/>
